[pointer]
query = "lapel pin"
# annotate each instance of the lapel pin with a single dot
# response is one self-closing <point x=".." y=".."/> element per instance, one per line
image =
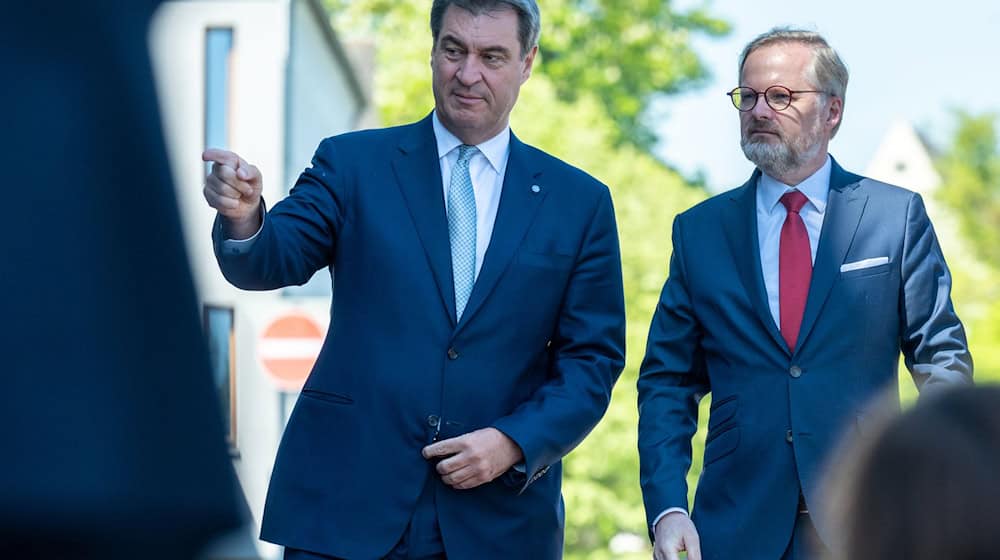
<point x="536" y="189"/>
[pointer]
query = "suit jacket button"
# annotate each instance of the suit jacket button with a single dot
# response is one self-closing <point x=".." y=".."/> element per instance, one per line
<point x="795" y="371"/>
<point x="452" y="354"/>
<point x="788" y="436"/>
<point x="433" y="421"/>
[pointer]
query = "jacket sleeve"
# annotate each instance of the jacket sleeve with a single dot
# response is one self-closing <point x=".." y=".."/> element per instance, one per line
<point x="933" y="340"/>
<point x="298" y="235"/>
<point x="672" y="381"/>
<point x="589" y="346"/>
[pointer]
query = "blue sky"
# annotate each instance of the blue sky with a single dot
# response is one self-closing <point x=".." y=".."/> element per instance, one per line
<point x="909" y="60"/>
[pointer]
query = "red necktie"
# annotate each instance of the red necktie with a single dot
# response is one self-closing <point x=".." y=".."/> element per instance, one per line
<point x="795" y="268"/>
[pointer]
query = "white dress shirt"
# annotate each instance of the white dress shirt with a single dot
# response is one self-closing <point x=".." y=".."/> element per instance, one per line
<point x="487" y="168"/>
<point x="770" y="217"/>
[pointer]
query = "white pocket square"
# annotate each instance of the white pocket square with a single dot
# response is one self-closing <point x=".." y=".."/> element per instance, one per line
<point x="866" y="263"/>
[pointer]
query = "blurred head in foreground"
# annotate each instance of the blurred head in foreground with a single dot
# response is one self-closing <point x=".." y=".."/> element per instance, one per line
<point x="927" y="485"/>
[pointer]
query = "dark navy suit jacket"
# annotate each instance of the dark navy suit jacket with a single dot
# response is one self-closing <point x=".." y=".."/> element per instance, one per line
<point x="776" y="415"/>
<point x="536" y="353"/>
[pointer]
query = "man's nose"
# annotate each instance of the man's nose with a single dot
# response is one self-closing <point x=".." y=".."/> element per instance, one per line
<point x="761" y="110"/>
<point x="469" y="71"/>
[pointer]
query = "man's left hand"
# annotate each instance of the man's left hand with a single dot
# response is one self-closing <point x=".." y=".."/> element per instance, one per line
<point x="474" y="458"/>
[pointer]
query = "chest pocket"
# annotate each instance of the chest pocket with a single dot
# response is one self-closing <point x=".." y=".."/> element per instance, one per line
<point x="876" y="270"/>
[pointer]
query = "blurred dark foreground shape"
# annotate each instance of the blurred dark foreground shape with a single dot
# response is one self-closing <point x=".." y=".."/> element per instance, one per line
<point x="926" y="486"/>
<point x="112" y="441"/>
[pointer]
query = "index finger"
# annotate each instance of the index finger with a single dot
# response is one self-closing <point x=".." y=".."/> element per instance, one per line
<point x="442" y="448"/>
<point x="245" y="171"/>
<point x="222" y="157"/>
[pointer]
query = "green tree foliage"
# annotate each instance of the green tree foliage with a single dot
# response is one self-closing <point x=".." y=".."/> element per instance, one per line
<point x="624" y="54"/>
<point x="970" y="171"/>
<point x="570" y="110"/>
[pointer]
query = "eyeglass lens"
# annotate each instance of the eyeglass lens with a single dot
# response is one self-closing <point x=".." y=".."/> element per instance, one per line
<point x="777" y="97"/>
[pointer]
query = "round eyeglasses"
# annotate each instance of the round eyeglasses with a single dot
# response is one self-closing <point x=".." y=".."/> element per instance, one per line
<point x="777" y="97"/>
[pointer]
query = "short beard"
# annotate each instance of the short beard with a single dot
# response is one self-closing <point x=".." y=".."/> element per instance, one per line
<point x="778" y="160"/>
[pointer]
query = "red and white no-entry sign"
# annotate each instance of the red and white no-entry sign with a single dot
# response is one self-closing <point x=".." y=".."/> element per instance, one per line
<point x="288" y="348"/>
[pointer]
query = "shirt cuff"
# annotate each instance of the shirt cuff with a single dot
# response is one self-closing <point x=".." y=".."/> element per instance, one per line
<point x="243" y="246"/>
<point x="664" y="514"/>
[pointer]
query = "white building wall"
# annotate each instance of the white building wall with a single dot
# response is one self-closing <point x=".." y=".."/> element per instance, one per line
<point x="257" y="77"/>
<point x="279" y="50"/>
<point x="321" y="102"/>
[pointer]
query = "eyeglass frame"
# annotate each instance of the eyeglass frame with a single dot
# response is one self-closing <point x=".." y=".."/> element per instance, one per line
<point x="757" y="94"/>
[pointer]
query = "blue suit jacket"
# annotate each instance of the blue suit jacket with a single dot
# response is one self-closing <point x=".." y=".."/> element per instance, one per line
<point x="776" y="415"/>
<point x="536" y="353"/>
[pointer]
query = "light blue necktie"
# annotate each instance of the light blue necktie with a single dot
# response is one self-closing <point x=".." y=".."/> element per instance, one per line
<point x="462" y="228"/>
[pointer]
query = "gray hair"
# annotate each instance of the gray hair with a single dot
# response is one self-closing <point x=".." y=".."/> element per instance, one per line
<point x="528" y="17"/>
<point x="827" y="71"/>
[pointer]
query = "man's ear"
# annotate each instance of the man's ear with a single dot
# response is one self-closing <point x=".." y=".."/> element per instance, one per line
<point x="834" y="112"/>
<point x="529" y="60"/>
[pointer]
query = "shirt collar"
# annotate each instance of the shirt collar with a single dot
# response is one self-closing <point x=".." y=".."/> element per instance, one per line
<point x="816" y="187"/>
<point x="495" y="149"/>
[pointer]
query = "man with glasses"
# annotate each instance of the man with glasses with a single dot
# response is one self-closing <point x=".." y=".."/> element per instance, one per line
<point x="789" y="299"/>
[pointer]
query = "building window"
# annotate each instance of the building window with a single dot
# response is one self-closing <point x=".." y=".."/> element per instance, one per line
<point x="218" y="65"/>
<point x="219" y="332"/>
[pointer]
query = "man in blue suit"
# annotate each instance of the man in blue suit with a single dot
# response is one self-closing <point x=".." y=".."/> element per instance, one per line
<point x="789" y="299"/>
<point x="477" y="318"/>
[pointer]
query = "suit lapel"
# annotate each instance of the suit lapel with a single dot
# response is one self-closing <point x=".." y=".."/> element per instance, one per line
<point x="845" y="206"/>
<point x="418" y="173"/>
<point x="741" y="231"/>
<point x="517" y="208"/>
